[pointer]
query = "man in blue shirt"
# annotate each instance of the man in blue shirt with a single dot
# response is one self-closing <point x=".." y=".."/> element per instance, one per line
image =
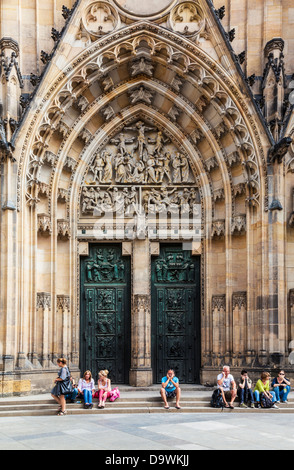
<point x="170" y="388"/>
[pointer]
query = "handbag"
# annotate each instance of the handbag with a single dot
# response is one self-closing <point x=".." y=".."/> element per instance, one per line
<point x="114" y="394"/>
<point x="64" y="387"/>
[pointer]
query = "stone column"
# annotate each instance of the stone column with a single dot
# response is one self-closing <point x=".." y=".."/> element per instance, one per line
<point x="63" y="311"/>
<point x="141" y="372"/>
<point x="218" y="329"/>
<point x="43" y="308"/>
<point x="239" y="305"/>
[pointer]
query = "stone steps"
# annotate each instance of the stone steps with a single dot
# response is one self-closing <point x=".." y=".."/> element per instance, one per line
<point x="131" y="403"/>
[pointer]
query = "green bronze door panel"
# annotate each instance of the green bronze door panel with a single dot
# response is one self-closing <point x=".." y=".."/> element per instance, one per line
<point x="176" y="314"/>
<point x="105" y="312"/>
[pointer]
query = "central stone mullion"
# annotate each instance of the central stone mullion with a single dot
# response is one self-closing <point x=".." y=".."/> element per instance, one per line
<point x="141" y="374"/>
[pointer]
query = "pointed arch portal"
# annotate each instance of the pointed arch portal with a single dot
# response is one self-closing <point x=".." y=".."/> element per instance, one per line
<point x="142" y="189"/>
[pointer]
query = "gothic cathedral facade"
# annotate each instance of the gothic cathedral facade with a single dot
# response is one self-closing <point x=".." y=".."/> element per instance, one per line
<point x="147" y="189"/>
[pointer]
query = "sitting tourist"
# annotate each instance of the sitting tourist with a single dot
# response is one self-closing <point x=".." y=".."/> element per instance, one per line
<point x="227" y="386"/>
<point x="86" y="388"/>
<point x="245" y="391"/>
<point x="282" y="387"/>
<point x="104" y="388"/>
<point x="263" y="387"/>
<point x="170" y="389"/>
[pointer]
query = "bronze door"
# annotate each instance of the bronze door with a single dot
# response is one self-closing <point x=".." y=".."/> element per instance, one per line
<point x="176" y="314"/>
<point x="105" y="312"/>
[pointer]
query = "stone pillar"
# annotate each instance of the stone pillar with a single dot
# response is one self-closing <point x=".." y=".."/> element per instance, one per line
<point x="43" y="308"/>
<point x="63" y="310"/>
<point x="141" y="372"/>
<point x="218" y="329"/>
<point x="239" y="328"/>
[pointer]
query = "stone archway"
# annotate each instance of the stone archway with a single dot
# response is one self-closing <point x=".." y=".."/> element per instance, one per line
<point x="73" y="139"/>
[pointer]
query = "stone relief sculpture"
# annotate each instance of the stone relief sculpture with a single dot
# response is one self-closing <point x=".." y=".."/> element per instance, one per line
<point x="140" y="170"/>
<point x="105" y="266"/>
<point x="175" y="267"/>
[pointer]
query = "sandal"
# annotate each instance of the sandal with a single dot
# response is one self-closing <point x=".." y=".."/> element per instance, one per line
<point x="62" y="413"/>
<point x="166" y="407"/>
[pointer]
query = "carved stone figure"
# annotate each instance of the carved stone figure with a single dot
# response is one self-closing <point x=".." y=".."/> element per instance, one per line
<point x="142" y="67"/>
<point x="108" y="171"/>
<point x="98" y="167"/>
<point x="141" y="94"/>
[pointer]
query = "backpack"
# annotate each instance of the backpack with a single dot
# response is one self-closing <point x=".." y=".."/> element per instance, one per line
<point x="265" y="401"/>
<point x="217" y="399"/>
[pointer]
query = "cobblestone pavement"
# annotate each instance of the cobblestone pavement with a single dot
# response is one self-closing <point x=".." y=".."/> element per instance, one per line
<point x="149" y="432"/>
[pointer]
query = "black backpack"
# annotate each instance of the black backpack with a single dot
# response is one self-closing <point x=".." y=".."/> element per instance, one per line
<point x="217" y="399"/>
<point x="265" y="401"/>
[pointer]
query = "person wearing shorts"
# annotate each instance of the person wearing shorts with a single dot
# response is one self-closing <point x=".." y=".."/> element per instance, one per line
<point x="170" y="389"/>
<point x="227" y="386"/>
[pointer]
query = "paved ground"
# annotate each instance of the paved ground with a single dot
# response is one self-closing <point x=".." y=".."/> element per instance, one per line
<point x="149" y="432"/>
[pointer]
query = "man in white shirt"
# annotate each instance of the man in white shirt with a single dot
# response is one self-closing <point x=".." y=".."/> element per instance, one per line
<point x="227" y="385"/>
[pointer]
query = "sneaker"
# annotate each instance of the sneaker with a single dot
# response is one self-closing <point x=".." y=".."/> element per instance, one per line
<point x="275" y="407"/>
<point x="243" y="405"/>
<point x="252" y="406"/>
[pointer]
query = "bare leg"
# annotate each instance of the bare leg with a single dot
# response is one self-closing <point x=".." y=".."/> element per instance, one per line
<point x="224" y="397"/>
<point x="233" y="396"/>
<point x="62" y="403"/>
<point x="57" y="399"/>
<point x="163" y="396"/>
<point x="178" y="395"/>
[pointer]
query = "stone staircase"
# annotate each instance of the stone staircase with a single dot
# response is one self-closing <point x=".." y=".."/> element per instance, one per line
<point x="132" y="401"/>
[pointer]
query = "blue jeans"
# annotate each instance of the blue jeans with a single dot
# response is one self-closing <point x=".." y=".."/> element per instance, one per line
<point x="257" y="396"/>
<point x="282" y="396"/>
<point x="88" y="397"/>
<point x="73" y="395"/>
<point x="241" y="393"/>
